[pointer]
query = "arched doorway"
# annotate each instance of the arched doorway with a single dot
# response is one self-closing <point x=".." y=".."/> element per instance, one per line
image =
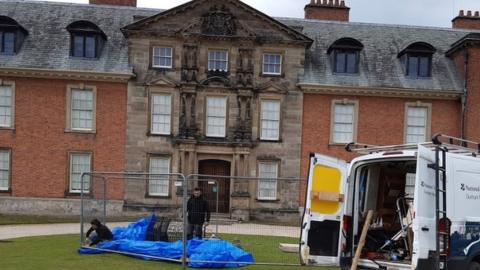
<point x="220" y="168"/>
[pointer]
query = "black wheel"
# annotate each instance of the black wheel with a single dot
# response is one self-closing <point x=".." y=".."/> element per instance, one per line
<point x="474" y="266"/>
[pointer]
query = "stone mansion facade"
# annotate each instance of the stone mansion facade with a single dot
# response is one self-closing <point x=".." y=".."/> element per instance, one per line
<point x="214" y="87"/>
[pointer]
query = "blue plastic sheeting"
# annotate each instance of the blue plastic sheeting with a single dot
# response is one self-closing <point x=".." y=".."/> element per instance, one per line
<point x="216" y="254"/>
<point x="136" y="231"/>
<point x="200" y="253"/>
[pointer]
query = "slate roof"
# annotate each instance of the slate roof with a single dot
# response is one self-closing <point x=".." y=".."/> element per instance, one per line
<point x="48" y="43"/>
<point x="379" y="64"/>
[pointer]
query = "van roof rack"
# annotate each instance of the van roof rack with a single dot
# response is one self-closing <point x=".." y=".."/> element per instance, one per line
<point x="449" y="143"/>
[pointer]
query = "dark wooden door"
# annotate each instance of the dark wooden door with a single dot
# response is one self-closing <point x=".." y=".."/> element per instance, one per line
<point x="220" y="168"/>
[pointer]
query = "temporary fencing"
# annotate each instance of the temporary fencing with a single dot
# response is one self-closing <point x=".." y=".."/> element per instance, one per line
<point x="259" y="215"/>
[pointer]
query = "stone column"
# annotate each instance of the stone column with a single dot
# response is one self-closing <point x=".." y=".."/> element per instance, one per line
<point x="240" y="195"/>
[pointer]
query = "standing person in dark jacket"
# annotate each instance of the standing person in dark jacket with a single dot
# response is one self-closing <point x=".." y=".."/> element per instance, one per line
<point x="198" y="214"/>
<point x="98" y="233"/>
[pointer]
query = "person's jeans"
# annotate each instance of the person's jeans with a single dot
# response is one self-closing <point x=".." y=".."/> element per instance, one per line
<point x="196" y="229"/>
<point x="92" y="239"/>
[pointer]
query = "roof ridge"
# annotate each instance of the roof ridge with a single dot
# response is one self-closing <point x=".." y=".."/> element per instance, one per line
<point x="82" y="5"/>
<point x="406" y="26"/>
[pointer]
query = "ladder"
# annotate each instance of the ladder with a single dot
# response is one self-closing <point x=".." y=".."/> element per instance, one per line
<point x="443" y="237"/>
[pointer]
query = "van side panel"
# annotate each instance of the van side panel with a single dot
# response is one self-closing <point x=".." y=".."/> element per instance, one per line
<point x="463" y="206"/>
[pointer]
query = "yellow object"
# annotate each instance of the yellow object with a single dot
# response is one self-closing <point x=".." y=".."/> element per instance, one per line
<point x="326" y="180"/>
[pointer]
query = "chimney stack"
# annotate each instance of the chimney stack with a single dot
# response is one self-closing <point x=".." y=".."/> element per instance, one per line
<point x="128" y="3"/>
<point x="467" y="21"/>
<point x="329" y="10"/>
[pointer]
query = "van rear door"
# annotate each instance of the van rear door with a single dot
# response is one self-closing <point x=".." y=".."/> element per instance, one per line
<point x="321" y="236"/>
<point x="424" y="206"/>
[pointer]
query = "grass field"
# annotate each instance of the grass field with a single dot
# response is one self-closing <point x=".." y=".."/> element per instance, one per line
<point x="19" y="219"/>
<point x="60" y="252"/>
<point x="24" y="219"/>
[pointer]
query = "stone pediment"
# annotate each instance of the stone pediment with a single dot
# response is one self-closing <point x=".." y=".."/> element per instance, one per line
<point x="272" y="87"/>
<point x="217" y="19"/>
<point x="217" y="22"/>
<point x="161" y="81"/>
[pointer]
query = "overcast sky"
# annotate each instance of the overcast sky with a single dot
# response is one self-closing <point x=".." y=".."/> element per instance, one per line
<point x="411" y="12"/>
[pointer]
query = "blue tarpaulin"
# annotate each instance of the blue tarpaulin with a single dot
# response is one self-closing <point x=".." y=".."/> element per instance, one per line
<point x="201" y="253"/>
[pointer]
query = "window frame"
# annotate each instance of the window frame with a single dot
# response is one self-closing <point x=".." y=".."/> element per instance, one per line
<point x="68" y="115"/>
<point x="70" y="160"/>
<point x="10" y="84"/>
<point x="207" y="134"/>
<point x="9" y="175"/>
<point x="418" y="50"/>
<point x="277" y="170"/>
<point x="169" y="187"/>
<point x="84" y="36"/>
<point x="227" y="61"/>
<point x="337" y="51"/>
<point x="2" y="41"/>
<point x="279" y="64"/>
<point x="9" y="25"/>
<point x="279" y="101"/>
<point x="151" y="132"/>
<point x="418" y="56"/>
<point x="152" y="58"/>
<point x="428" y="120"/>
<point x="85" y="29"/>
<point x="335" y="102"/>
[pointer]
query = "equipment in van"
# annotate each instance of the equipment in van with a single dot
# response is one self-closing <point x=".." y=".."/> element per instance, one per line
<point x="426" y="198"/>
<point x="405" y="219"/>
<point x="361" y="243"/>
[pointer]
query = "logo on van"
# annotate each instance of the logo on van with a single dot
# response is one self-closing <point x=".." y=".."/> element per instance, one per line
<point x="465" y="187"/>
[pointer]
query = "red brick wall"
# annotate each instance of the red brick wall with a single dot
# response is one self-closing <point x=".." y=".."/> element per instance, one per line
<point x="472" y="119"/>
<point x="131" y="3"/>
<point x="467" y="21"/>
<point x="380" y="122"/>
<point x="40" y="145"/>
<point x="328" y="13"/>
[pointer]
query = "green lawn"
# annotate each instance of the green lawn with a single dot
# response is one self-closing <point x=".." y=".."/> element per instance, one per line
<point x="60" y="253"/>
<point x="20" y="219"/>
<point x="25" y="219"/>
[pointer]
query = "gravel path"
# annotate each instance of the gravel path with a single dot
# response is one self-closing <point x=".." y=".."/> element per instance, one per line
<point x="16" y="231"/>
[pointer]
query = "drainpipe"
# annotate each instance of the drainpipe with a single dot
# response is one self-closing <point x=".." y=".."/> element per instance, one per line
<point x="465" y="94"/>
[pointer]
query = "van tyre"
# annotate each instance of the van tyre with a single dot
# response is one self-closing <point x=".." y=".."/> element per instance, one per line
<point x="474" y="266"/>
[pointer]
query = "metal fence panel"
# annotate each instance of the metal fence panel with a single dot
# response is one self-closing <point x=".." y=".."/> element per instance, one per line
<point x="255" y="214"/>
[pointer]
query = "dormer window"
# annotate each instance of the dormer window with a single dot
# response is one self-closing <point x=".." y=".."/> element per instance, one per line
<point x="12" y="36"/>
<point x="345" y="55"/>
<point x="417" y="60"/>
<point x="87" y="40"/>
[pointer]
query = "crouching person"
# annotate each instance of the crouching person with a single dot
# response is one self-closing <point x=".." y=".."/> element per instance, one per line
<point x="97" y="233"/>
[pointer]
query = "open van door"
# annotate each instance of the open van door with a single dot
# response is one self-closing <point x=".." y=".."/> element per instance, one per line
<point x="321" y="236"/>
<point x="424" y="206"/>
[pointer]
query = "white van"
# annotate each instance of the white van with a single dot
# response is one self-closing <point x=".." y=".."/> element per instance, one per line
<point x="406" y="187"/>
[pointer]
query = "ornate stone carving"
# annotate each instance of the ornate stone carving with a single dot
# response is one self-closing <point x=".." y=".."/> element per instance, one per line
<point x="243" y="131"/>
<point x="245" y="60"/>
<point x="188" y="129"/>
<point x="189" y="64"/>
<point x="244" y="76"/>
<point x="190" y="56"/>
<point x="218" y="22"/>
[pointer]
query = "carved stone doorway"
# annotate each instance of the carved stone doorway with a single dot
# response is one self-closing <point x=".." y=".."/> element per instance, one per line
<point x="220" y="168"/>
